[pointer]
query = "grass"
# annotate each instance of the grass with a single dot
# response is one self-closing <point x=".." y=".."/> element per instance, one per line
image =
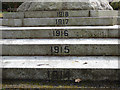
<point x="1" y="15"/>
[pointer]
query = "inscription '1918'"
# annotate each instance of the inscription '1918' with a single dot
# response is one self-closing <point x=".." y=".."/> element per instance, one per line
<point x="60" y="33"/>
<point x="60" y="49"/>
<point x="62" y="14"/>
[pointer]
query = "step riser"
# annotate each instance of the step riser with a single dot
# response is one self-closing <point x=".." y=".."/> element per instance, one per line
<point x="119" y="20"/>
<point x="118" y="12"/>
<point x="62" y="74"/>
<point x="63" y="13"/>
<point x="60" y="22"/>
<point x="60" y="33"/>
<point x="65" y="50"/>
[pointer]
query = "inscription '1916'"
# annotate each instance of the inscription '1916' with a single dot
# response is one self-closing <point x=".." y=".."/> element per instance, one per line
<point x="60" y="33"/>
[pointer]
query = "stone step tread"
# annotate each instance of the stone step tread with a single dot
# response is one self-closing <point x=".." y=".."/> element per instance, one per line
<point x="58" y="41"/>
<point x="60" y="32"/>
<point x="64" y="27"/>
<point x="62" y="13"/>
<point x="68" y="62"/>
<point x="60" y="47"/>
<point x="75" y="21"/>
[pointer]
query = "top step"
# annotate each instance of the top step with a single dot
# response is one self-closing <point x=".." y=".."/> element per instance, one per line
<point x="62" y="13"/>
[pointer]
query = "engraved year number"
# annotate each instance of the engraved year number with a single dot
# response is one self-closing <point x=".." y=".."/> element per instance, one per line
<point x="62" y="14"/>
<point x="60" y="33"/>
<point x="60" y="49"/>
<point x="62" y="21"/>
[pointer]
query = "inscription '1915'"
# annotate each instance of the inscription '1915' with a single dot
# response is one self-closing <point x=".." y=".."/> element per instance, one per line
<point x="60" y="49"/>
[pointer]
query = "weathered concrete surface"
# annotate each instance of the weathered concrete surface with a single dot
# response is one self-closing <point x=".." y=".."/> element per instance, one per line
<point x="87" y="62"/>
<point x="60" y="22"/>
<point x="11" y="22"/>
<point x="79" y="47"/>
<point x="76" y="50"/>
<point x="61" y="74"/>
<point x="77" y="5"/>
<point x="76" y="21"/>
<point x="46" y="14"/>
<point x="70" y="21"/>
<point x="62" y="13"/>
<point x="103" y="13"/>
<point x="65" y="32"/>
<point x="13" y="15"/>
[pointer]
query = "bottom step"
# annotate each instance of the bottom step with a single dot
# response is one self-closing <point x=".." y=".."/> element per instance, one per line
<point x="93" y="68"/>
<point x="61" y="74"/>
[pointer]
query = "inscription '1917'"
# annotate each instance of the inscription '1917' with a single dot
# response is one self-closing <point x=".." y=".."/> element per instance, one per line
<point x="62" y="21"/>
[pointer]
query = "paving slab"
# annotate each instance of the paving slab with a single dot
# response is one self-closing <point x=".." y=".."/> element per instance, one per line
<point x="60" y="32"/>
<point x="60" y="47"/>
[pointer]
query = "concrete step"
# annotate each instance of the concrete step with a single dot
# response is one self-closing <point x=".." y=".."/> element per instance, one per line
<point x="62" y="13"/>
<point x="60" y="32"/>
<point x="61" y="74"/>
<point x="59" y="47"/>
<point x="61" y="21"/>
<point x="66" y="62"/>
<point x="97" y="68"/>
